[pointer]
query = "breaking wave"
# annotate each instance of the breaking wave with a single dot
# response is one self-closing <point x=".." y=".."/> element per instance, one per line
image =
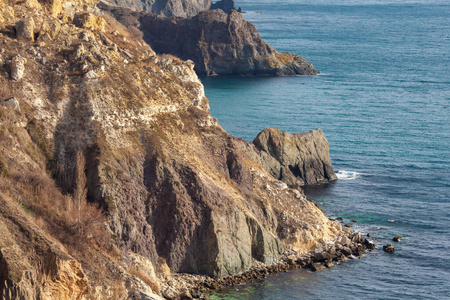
<point x="347" y="175"/>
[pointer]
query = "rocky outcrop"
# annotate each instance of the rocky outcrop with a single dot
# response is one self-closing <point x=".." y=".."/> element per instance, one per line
<point x="168" y="8"/>
<point x="298" y="159"/>
<point x="218" y="43"/>
<point x="89" y="21"/>
<point x="25" y="29"/>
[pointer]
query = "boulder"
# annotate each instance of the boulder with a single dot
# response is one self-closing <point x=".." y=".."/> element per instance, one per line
<point x="346" y="251"/>
<point x="25" y="29"/>
<point x="170" y="293"/>
<point x="51" y="28"/>
<point x="389" y="248"/>
<point x="357" y="238"/>
<point x="297" y="159"/>
<point x="345" y="241"/>
<point x="89" y="21"/>
<point x="17" y="67"/>
<point x="322" y="256"/>
<point x="12" y="102"/>
<point x="317" y="267"/>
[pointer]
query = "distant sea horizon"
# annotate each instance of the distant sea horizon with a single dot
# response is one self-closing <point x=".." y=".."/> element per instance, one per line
<point x="382" y="100"/>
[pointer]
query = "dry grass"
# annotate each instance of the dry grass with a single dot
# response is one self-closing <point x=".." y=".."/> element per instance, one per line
<point x="23" y="177"/>
<point x="5" y="89"/>
<point x="147" y="280"/>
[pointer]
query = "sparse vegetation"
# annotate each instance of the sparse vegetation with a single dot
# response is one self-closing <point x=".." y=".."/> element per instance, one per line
<point x="147" y="280"/>
<point x="3" y="168"/>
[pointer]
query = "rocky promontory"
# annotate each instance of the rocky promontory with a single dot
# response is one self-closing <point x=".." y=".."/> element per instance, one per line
<point x="115" y="178"/>
<point x="218" y="43"/>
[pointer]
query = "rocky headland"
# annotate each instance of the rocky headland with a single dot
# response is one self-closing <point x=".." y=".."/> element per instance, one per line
<point x="218" y="43"/>
<point x="174" y="8"/>
<point x="116" y="182"/>
<point x="168" y="8"/>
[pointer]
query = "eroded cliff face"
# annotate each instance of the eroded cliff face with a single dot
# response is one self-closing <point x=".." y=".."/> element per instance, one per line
<point x="168" y="8"/>
<point x="218" y="43"/>
<point x="176" y="191"/>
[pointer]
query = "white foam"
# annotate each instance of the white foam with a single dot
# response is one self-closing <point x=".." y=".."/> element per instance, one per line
<point x="347" y="175"/>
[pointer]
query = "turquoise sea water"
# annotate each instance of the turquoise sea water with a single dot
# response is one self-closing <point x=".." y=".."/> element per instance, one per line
<point x="383" y="101"/>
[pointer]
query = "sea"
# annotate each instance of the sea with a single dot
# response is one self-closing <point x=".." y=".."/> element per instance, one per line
<point x="382" y="99"/>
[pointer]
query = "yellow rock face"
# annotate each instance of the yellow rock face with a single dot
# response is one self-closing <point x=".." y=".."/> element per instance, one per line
<point x="89" y="21"/>
<point x="34" y="4"/>
<point x="50" y="27"/>
<point x="6" y="12"/>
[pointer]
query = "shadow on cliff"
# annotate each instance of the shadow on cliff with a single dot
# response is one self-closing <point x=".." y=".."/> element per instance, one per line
<point x="180" y="215"/>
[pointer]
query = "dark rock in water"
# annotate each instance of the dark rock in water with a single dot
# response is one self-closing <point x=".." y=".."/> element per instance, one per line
<point x="348" y="225"/>
<point x="397" y="238"/>
<point x="354" y="221"/>
<point x="340" y="219"/>
<point x="368" y="235"/>
<point x="322" y="256"/>
<point x="297" y="159"/>
<point x="346" y="251"/>
<point x="369" y="245"/>
<point x="389" y="248"/>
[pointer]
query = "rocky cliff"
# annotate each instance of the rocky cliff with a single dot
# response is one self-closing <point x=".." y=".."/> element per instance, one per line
<point x="217" y="43"/>
<point x="168" y="8"/>
<point x="113" y="174"/>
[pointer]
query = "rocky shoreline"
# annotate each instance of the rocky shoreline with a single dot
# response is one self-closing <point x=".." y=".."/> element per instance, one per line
<point x="114" y="175"/>
<point x="351" y="245"/>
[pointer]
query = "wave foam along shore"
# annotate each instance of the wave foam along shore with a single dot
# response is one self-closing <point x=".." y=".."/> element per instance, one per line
<point x="347" y="175"/>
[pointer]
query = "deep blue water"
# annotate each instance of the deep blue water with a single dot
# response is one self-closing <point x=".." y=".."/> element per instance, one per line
<point x="383" y="101"/>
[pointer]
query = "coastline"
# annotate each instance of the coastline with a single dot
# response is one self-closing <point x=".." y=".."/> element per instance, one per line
<point x="350" y="245"/>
